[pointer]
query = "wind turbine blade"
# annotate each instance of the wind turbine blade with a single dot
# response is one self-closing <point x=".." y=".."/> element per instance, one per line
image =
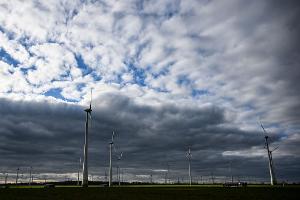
<point x="114" y="148"/>
<point x="263" y="128"/>
<point x="90" y="115"/>
<point x="275" y="149"/>
<point x="120" y="156"/>
<point x="91" y="98"/>
<point x="112" y="136"/>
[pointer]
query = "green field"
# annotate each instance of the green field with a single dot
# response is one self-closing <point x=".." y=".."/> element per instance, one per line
<point x="148" y="192"/>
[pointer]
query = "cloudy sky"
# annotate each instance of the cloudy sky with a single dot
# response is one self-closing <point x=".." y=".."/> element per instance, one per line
<point x="166" y="75"/>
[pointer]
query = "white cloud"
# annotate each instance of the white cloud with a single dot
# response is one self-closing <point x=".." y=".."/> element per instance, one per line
<point x="51" y="62"/>
<point x="15" y="50"/>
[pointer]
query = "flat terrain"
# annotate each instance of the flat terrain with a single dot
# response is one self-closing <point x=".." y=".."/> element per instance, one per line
<point x="153" y="193"/>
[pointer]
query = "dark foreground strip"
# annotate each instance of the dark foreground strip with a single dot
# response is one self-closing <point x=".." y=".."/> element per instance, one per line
<point x="151" y="193"/>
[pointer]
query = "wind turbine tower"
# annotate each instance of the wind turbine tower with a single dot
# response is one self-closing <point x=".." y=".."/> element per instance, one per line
<point x="110" y="158"/>
<point x="105" y="176"/>
<point x="189" y="156"/>
<point x="17" y="178"/>
<point x="78" y="174"/>
<point x="30" y="176"/>
<point x="5" y="181"/>
<point x="118" y="169"/>
<point x="230" y="171"/>
<point x="271" y="165"/>
<point x="85" y="177"/>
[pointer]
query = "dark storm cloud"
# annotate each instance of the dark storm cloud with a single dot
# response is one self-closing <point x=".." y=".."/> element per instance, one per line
<point x="50" y="137"/>
<point x="287" y="55"/>
<point x="275" y="39"/>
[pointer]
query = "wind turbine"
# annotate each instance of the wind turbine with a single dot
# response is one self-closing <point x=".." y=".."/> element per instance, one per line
<point x="78" y="174"/>
<point x="167" y="180"/>
<point x="118" y="169"/>
<point x="122" y="173"/>
<point x="105" y="176"/>
<point x="230" y="171"/>
<point x="17" y="178"/>
<point x="212" y="177"/>
<point x="189" y="156"/>
<point x="85" y="178"/>
<point x="271" y="165"/>
<point x="5" y="181"/>
<point x="30" y="175"/>
<point x="110" y="158"/>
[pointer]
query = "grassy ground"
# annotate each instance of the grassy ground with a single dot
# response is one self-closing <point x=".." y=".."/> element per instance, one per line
<point x="155" y="193"/>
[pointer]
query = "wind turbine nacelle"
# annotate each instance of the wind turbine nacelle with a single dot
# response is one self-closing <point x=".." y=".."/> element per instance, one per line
<point x="88" y="110"/>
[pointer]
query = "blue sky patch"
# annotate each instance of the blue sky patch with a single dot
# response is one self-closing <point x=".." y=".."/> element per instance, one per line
<point x="197" y="92"/>
<point x="80" y="86"/>
<point x="139" y="74"/>
<point x="4" y="56"/>
<point x="183" y="80"/>
<point x="56" y="93"/>
<point x="248" y="107"/>
<point x="82" y="65"/>
<point x="25" y="70"/>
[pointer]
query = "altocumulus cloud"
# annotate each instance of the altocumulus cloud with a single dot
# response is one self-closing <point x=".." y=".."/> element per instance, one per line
<point x="166" y="75"/>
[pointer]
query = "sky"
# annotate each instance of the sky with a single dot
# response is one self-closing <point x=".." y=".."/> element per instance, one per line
<point x="166" y="76"/>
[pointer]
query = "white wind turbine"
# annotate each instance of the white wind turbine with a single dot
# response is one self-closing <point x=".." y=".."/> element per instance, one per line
<point x="78" y="173"/>
<point x="118" y="168"/>
<point x="189" y="156"/>
<point x="30" y="176"/>
<point x="17" y="177"/>
<point x="271" y="165"/>
<point x="110" y="158"/>
<point x="85" y="179"/>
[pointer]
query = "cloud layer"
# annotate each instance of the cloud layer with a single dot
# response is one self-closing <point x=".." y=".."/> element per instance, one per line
<point x="166" y="75"/>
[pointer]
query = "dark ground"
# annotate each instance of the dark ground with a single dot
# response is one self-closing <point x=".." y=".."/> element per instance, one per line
<point x="153" y="193"/>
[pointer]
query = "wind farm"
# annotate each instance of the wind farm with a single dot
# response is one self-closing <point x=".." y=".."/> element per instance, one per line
<point x="140" y="99"/>
<point x="116" y="180"/>
<point x="189" y="184"/>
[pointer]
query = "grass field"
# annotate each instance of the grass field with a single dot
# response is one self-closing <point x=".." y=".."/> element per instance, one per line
<point x="153" y="193"/>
